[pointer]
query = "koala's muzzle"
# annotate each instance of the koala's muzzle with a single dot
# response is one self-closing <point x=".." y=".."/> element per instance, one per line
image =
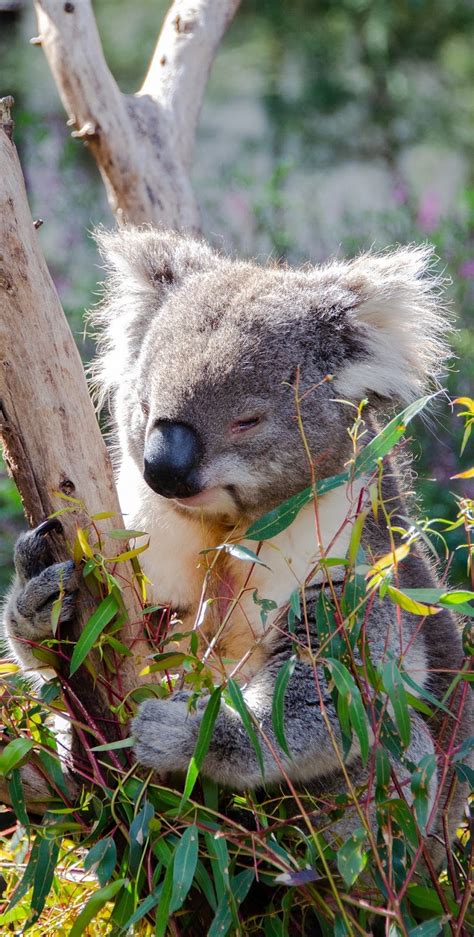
<point x="172" y="455"/>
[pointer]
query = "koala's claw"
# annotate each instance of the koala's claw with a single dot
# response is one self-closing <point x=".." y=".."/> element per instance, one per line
<point x="32" y="550"/>
<point x="165" y="734"/>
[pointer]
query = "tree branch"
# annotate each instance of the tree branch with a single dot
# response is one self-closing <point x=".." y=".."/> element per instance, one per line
<point x="181" y="63"/>
<point x="142" y="143"/>
<point x="51" y="438"/>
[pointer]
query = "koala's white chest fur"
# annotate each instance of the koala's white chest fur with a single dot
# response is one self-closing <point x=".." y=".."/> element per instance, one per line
<point x="177" y="565"/>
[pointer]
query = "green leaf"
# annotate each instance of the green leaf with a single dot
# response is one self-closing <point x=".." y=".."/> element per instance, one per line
<point x="114" y="746"/>
<point x="294" y="611"/>
<point x="348" y="689"/>
<point x="184" y="867"/>
<point x="94" y="905"/>
<point x="465" y="774"/>
<point x="420" y="786"/>
<point x="239" y="704"/>
<point x="144" y="907"/>
<point x="425" y="694"/>
<point x="351" y="858"/>
<point x="392" y="681"/>
<point x="425" y="897"/>
<point x="13" y="754"/>
<point x="139" y="834"/>
<point x="107" y="609"/>
<point x="408" y="603"/>
<point x="101" y="859"/>
<point x="465" y="749"/>
<point x="17" y="797"/>
<point x="226" y="912"/>
<point x="45" y="867"/>
<point x="203" y="880"/>
<point x="278" y="702"/>
<point x="382" y="774"/>
<point x="217" y="849"/>
<point x="282" y="516"/>
<point x="169" y="660"/>
<point x="119" y="534"/>
<point x="163" y="913"/>
<point x="428" y="928"/>
<point x="239" y="552"/>
<point x="457" y="597"/>
<point x="202" y="744"/>
<point x="24" y="886"/>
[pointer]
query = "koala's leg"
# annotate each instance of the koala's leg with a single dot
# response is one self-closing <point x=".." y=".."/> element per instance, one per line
<point x="37" y="584"/>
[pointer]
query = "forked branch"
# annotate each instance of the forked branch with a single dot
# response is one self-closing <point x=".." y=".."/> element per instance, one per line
<point x="142" y="143"/>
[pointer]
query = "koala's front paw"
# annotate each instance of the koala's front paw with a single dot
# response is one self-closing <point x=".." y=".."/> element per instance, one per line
<point x="38" y="584"/>
<point x="165" y="734"/>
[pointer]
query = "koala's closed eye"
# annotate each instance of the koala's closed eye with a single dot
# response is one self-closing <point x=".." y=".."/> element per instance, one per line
<point x="245" y="423"/>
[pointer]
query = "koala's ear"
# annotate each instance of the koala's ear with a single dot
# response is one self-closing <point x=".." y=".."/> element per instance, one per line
<point x="150" y="260"/>
<point x="143" y="265"/>
<point x="397" y="314"/>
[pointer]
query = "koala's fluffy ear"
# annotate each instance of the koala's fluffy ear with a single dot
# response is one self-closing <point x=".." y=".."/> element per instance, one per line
<point x="148" y="259"/>
<point x="401" y="322"/>
<point x="143" y="264"/>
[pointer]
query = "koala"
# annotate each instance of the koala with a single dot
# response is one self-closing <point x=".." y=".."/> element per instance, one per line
<point x="230" y="386"/>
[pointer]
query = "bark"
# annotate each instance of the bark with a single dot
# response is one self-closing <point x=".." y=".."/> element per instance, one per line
<point x="52" y="442"/>
<point x="142" y="143"/>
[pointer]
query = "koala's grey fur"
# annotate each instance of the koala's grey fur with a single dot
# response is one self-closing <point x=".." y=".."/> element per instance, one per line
<point x="194" y="337"/>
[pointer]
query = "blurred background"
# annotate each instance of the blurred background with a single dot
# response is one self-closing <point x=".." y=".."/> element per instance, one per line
<point x="329" y="126"/>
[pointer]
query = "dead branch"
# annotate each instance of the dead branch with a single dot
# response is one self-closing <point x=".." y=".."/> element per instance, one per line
<point x="142" y="143"/>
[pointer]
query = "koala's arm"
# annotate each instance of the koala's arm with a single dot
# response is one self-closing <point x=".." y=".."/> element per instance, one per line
<point x="38" y="583"/>
<point x="166" y="731"/>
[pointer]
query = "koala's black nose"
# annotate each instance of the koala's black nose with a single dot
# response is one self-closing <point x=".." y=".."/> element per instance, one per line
<point x="172" y="453"/>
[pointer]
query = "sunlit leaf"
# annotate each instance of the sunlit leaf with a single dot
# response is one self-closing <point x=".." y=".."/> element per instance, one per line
<point x="239" y="704"/>
<point x="94" y="905"/>
<point x="13" y="754"/>
<point x="107" y="609"/>
<point x="410" y="605"/>
<point x="281" y="517"/>
<point x="469" y="473"/>
<point x="202" y="744"/>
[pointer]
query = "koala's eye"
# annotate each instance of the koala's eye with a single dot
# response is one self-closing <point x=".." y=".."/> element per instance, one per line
<point x="145" y="407"/>
<point x="241" y="426"/>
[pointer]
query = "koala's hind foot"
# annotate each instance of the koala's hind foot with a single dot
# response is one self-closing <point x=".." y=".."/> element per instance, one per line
<point x="37" y="585"/>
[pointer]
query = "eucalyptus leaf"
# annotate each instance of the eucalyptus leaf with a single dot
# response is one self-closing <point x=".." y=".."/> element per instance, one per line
<point x="282" y="516"/>
<point x="107" y="609"/>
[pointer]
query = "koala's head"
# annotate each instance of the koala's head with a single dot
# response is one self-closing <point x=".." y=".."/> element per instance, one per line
<point x="218" y="370"/>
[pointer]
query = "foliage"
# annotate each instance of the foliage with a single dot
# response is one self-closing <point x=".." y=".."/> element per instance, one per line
<point x="337" y="81"/>
<point x="168" y="860"/>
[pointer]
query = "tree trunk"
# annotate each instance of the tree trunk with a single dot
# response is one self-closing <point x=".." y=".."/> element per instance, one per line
<point x="52" y="442"/>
